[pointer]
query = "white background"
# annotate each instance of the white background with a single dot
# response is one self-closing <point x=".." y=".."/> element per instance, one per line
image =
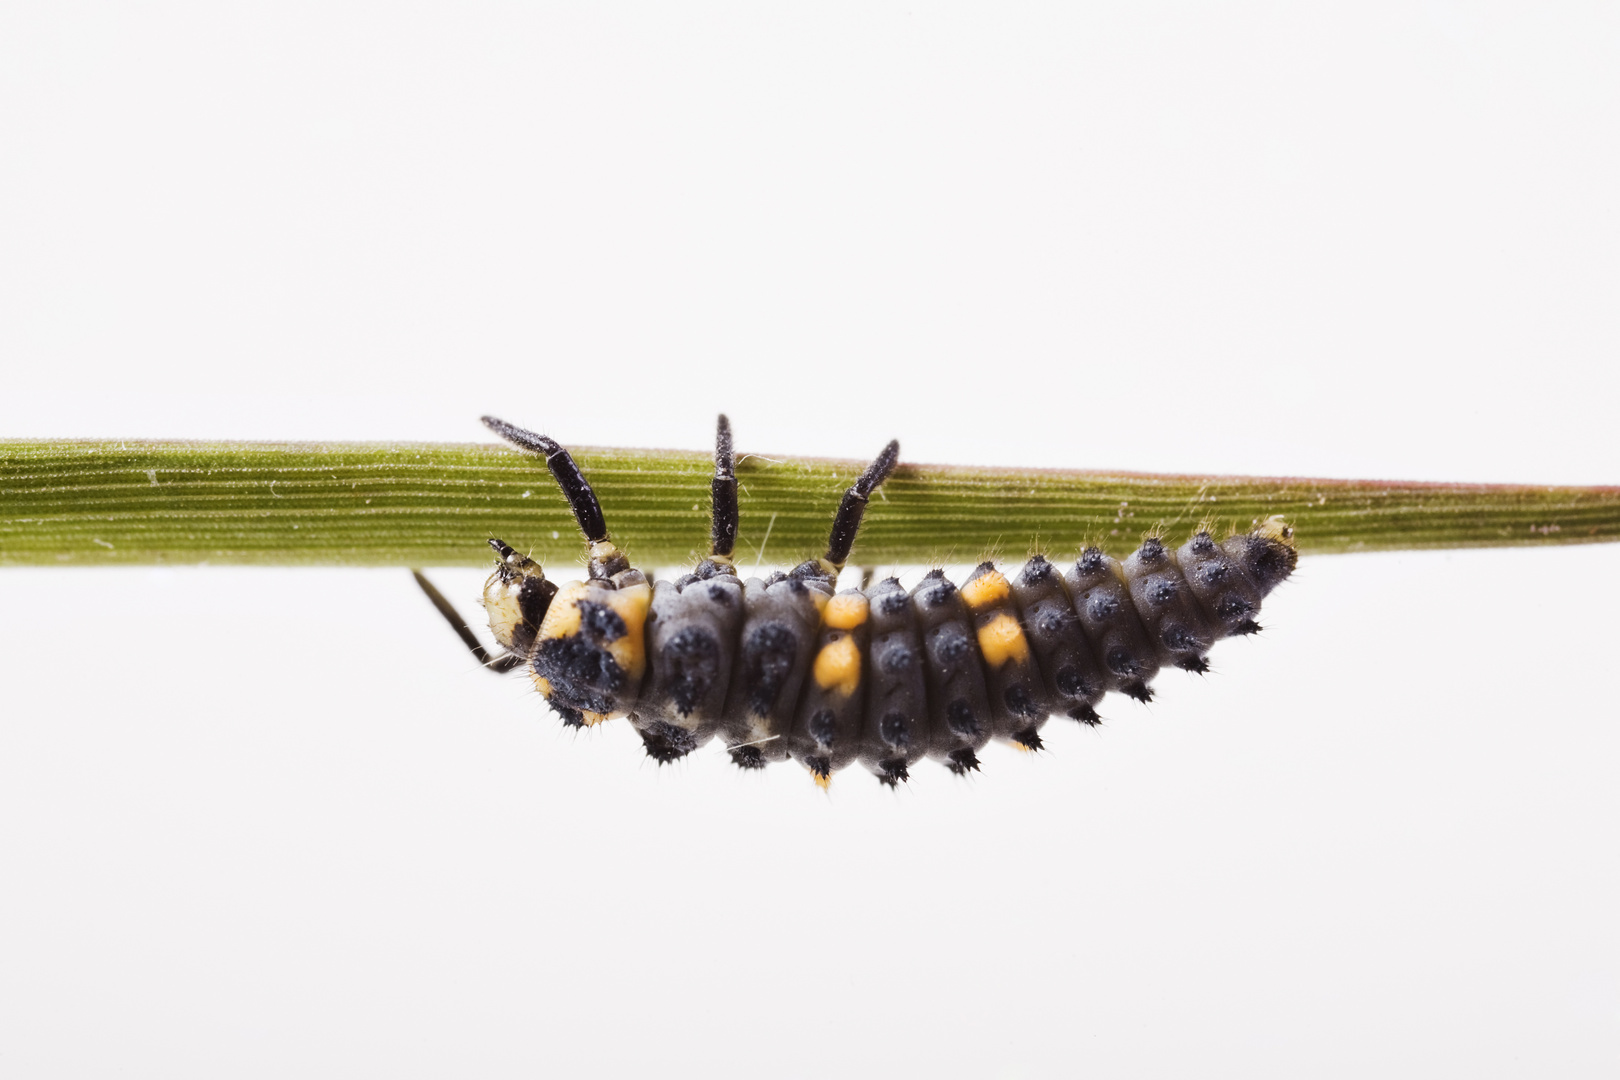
<point x="257" y="821"/>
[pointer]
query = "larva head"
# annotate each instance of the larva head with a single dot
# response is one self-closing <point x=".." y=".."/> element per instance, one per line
<point x="516" y="597"/>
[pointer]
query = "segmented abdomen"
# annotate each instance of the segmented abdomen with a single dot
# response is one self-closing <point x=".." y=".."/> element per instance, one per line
<point x="783" y="668"/>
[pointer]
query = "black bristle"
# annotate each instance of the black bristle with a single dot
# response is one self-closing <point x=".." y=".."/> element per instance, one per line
<point x="570" y="717"/>
<point x="666" y="743"/>
<point x="820" y="767"/>
<point x="1198" y="665"/>
<point x="1152" y="550"/>
<point x="962" y="761"/>
<point x="1086" y="715"/>
<point x="894" y="772"/>
<point x="1036" y="570"/>
<point x="1029" y="739"/>
<point x="1141" y="691"/>
<point x="748" y="757"/>
<point x="1247" y="626"/>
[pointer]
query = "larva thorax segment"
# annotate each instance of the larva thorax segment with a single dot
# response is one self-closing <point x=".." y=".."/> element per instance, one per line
<point x="692" y="630"/>
<point x="778" y="637"/>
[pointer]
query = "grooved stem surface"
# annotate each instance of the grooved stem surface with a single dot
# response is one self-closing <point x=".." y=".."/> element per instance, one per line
<point x="369" y="504"/>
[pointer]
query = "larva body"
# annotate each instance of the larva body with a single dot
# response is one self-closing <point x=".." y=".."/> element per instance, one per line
<point x="786" y="668"/>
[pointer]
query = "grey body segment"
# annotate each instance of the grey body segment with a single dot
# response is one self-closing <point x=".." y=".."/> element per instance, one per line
<point x="1102" y="600"/>
<point x="780" y="627"/>
<point x="897" y="722"/>
<point x="1074" y="677"/>
<point x="692" y="632"/>
<point x="1170" y="612"/>
<point x="1232" y="577"/>
<point x="958" y="707"/>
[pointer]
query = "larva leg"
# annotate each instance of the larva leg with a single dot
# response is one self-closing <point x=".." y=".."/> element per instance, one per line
<point x="606" y="560"/>
<point x="853" y="508"/>
<point x="723" y="491"/>
<point x="497" y="664"/>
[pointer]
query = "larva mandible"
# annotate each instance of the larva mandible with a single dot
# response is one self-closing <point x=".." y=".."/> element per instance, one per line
<point x="784" y="667"/>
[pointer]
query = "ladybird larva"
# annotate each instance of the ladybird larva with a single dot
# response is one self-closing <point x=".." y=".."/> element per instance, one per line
<point x="788" y="667"/>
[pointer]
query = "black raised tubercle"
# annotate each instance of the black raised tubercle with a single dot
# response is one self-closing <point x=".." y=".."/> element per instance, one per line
<point x="581" y="499"/>
<point x="853" y="507"/>
<point x="723" y="491"/>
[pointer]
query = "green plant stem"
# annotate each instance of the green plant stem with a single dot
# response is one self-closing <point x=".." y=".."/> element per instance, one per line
<point x="364" y="504"/>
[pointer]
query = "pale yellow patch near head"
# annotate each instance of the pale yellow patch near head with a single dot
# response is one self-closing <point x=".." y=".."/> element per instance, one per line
<point x="593" y="718"/>
<point x="504" y="611"/>
<point x="845" y="611"/>
<point x="823" y="780"/>
<point x="631" y="605"/>
<point x="1002" y="639"/>
<point x="562" y="617"/>
<point x="543" y="685"/>
<point x="1275" y="528"/>
<point x="838" y="666"/>
<point x="986" y="590"/>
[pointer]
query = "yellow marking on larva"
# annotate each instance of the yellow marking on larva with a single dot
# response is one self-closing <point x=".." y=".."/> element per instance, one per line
<point x="631" y="605"/>
<point x="543" y="685"/>
<point x="562" y="617"/>
<point x="1020" y="747"/>
<point x="838" y="666"/>
<point x="593" y="718"/>
<point x="845" y="611"/>
<point x="1276" y="528"/>
<point x="823" y="780"/>
<point x="986" y="590"/>
<point x="1002" y="639"/>
<point x="820" y="599"/>
<point x="505" y="614"/>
